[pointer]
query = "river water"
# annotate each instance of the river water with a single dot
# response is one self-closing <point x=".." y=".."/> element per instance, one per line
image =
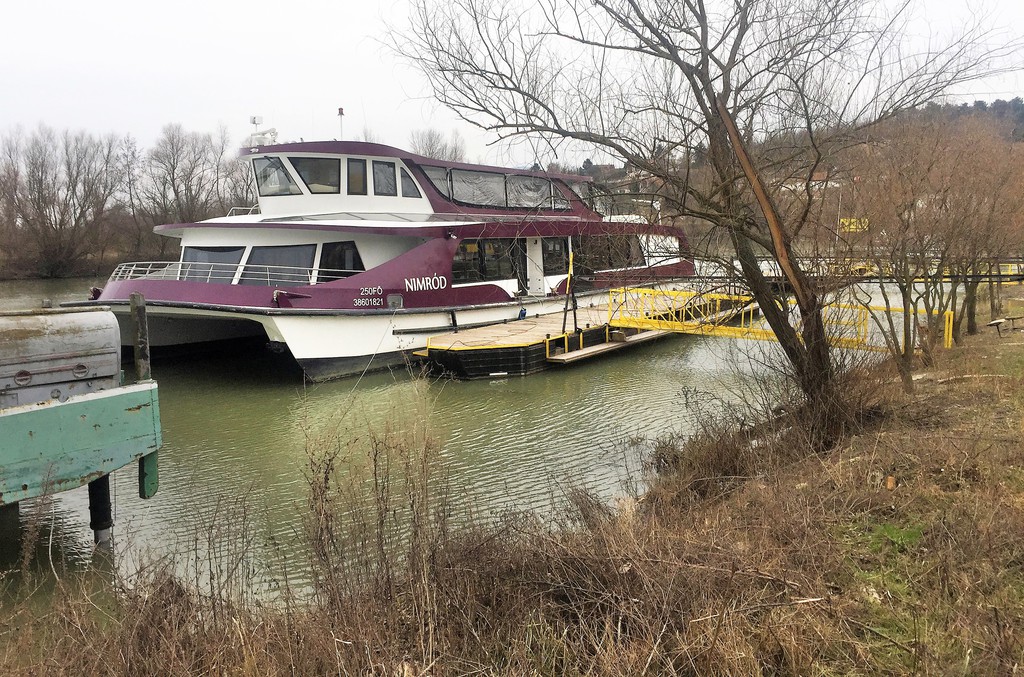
<point x="239" y="431"/>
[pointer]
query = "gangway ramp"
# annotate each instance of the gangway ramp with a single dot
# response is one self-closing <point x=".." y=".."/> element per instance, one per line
<point x="738" y="316"/>
<point x="614" y="343"/>
<point x="687" y="312"/>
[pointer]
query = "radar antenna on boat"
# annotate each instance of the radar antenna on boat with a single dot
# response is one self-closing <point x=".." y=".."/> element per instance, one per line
<point x="260" y="138"/>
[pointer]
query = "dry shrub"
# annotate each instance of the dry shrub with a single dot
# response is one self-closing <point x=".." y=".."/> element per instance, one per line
<point x="750" y="555"/>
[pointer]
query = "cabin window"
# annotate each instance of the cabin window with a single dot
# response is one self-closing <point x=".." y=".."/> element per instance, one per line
<point x="605" y="252"/>
<point x="338" y="260"/>
<point x="556" y="255"/>
<point x="558" y="201"/>
<point x="272" y="178"/>
<point x="439" y="177"/>
<point x="409" y="188"/>
<point x="659" y="248"/>
<point x="491" y="189"/>
<point x="583" y="192"/>
<point x="483" y="189"/>
<point x="531" y="192"/>
<point x="321" y="175"/>
<point x="356" y="177"/>
<point x="485" y="260"/>
<point x="210" y="264"/>
<point x="287" y="265"/>
<point x="384" y="178"/>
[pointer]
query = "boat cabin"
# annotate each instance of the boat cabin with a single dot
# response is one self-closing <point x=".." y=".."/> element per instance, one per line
<point x="328" y="211"/>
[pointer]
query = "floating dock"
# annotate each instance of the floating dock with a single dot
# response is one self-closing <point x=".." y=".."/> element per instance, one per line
<point x="529" y="345"/>
<point x="533" y="344"/>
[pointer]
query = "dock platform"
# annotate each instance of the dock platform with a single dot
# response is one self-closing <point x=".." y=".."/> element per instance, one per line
<point x="520" y="347"/>
<point x="532" y="344"/>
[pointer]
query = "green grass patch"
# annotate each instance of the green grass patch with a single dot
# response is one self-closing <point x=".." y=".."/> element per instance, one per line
<point x="889" y="537"/>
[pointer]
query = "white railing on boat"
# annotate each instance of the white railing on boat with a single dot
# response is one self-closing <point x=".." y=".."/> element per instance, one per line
<point x="244" y="211"/>
<point x="226" y="273"/>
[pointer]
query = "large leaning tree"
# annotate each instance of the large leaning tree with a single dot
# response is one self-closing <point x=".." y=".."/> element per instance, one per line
<point x="768" y="92"/>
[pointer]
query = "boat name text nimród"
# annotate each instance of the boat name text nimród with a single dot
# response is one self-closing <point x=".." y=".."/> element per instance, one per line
<point x="429" y="283"/>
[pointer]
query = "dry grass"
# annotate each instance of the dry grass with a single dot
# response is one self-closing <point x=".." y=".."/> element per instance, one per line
<point x="898" y="552"/>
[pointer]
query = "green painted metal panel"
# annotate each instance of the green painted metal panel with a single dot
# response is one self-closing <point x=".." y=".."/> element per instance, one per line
<point x="54" y="446"/>
<point x="149" y="476"/>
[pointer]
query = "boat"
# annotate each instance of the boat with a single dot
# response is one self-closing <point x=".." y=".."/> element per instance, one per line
<point x="358" y="252"/>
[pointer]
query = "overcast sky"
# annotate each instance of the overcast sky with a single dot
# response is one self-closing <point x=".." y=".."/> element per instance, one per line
<point x="130" y="67"/>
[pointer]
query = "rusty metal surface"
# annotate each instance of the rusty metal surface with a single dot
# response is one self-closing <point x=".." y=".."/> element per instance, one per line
<point x="56" y="355"/>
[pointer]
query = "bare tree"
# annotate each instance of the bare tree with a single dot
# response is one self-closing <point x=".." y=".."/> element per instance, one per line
<point x="8" y="235"/>
<point x="939" y="198"/>
<point x="984" y="204"/>
<point x="139" y="236"/>
<point x="238" y="184"/>
<point x="185" y="177"/>
<point x="770" y="90"/>
<point x="904" y="197"/>
<point x="432" y="143"/>
<point x="58" y="188"/>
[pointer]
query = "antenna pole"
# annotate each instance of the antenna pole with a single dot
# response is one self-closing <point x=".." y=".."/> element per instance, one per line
<point x="255" y="121"/>
<point x="341" y="124"/>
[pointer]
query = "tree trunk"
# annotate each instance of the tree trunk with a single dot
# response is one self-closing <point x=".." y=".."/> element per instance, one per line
<point x="957" y="316"/>
<point x="999" y="289"/>
<point x="808" y="352"/>
<point x="903" y="367"/>
<point x="777" y="317"/>
<point x="971" y="298"/>
<point x="993" y="304"/>
<point x="811" y="358"/>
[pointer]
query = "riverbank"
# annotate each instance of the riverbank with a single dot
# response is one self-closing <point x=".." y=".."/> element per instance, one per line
<point x="896" y="553"/>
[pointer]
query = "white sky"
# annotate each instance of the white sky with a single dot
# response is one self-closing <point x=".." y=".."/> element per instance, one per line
<point x="130" y="67"/>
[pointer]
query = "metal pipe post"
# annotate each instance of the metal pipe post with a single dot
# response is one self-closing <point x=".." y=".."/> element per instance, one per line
<point x="100" y="514"/>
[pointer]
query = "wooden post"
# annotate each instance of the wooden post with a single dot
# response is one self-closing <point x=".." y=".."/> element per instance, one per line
<point x="149" y="478"/>
<point x="140" y="337"/>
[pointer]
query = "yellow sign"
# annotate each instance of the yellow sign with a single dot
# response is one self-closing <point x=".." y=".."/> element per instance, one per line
<point x="853" y="225"/>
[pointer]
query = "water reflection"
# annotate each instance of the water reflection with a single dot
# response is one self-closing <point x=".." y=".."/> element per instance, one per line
<point x="28" y="294"/>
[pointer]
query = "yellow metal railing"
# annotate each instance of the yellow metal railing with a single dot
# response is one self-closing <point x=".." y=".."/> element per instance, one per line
<point x="562" y="338"/>
<point x="735" y="316"/>
<point x="947" y="320"/>
<point x="686" y="311"/>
